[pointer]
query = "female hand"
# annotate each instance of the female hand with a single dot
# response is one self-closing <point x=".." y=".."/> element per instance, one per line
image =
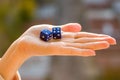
<point x="73" y="43"/>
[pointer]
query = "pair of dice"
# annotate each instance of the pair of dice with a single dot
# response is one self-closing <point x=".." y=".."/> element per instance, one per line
<point x="46" y="35"/>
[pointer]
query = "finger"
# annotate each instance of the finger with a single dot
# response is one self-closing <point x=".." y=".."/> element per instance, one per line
<point x="71" y="27"/>
<point x="72" y="51"/>
<point x="68" y="35"/>
<point x="92" y="45"/>
<point x="59" y="48"/>
<point x="110" y="40"/>
<point x="86" y="34"/>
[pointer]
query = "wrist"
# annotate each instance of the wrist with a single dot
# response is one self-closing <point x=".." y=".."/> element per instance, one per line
<point x="11" y="61"/>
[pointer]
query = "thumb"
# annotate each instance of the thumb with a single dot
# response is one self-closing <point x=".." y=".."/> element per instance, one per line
<point x="71" y="27"/>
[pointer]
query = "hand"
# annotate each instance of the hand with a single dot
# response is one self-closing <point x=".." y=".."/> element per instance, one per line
<point x="72" y="43"/>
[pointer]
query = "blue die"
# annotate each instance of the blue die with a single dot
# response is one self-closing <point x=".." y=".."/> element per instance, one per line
<point x="56" y="31"/>
<point x="46" y="35"/>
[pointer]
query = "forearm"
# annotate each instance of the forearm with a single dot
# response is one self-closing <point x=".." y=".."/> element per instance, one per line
<point x="11" y="61"/>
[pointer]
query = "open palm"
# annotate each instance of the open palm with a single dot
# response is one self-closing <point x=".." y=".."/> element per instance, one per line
<point x="72" y="43"/>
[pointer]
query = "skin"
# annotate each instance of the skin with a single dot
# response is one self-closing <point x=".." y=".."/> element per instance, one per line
<point x="72" y="44"/>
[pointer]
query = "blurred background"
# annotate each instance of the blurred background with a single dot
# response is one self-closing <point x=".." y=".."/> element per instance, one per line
<point x="97" y="16"/>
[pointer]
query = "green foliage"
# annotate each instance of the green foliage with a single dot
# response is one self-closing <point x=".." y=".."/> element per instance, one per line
<point x="14" y="14"/>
